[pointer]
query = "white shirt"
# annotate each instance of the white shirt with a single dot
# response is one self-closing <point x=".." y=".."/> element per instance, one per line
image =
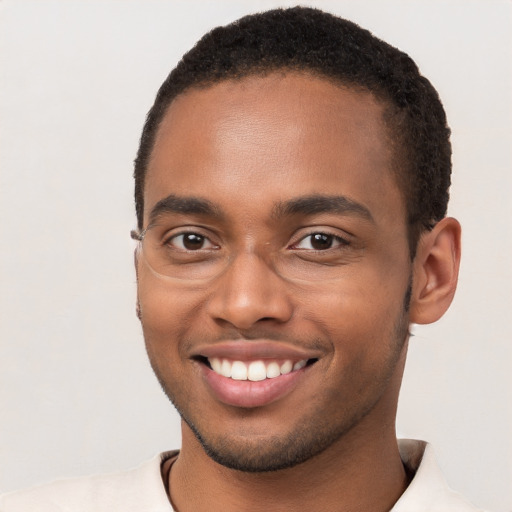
<point x="142" y="489"/>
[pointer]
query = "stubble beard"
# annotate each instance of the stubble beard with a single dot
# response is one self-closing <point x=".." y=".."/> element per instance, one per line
<point x="304" y="441"/>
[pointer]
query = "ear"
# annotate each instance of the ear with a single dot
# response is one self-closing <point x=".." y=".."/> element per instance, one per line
<point x="436" y="270"/>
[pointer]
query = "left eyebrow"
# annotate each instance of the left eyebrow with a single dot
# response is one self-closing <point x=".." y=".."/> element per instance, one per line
<point x="315" y="204"/>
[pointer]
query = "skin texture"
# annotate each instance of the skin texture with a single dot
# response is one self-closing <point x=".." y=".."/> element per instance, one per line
<point x="249" y="147"/>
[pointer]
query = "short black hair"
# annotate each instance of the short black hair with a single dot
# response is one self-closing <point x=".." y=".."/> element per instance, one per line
<point x="309" y="40"/>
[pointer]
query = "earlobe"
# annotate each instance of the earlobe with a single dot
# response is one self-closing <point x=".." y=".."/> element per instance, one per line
<point x="436" y="270"/>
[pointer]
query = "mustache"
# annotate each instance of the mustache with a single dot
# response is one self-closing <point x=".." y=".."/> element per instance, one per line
<point x="257" y="333"/>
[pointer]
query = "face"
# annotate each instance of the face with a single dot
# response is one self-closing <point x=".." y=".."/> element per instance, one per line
<point x="274" y="272"/>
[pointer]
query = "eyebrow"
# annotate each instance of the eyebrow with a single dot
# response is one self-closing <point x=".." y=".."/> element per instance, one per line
<point x="315" y="204"/>
<point x="306" y="205"/>
<point x="184" y="206"/>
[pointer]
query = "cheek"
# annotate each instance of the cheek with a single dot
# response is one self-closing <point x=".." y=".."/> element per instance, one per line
<point x="366" y="331"/>
<point x="359" y="314"/>
<point x="168" y="313"/>
<point x="349" y="300"/>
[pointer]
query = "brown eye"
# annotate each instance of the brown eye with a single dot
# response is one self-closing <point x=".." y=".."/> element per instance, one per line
<point x="191" y="242"/>
<point x="320" y="242"/>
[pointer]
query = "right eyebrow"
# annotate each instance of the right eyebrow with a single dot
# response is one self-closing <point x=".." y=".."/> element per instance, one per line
<point x="184" y="205"/>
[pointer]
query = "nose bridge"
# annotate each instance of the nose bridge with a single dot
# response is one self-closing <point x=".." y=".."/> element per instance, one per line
<point x="250" y="290"/>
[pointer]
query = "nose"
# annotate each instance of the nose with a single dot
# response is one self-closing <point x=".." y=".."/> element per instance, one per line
<point x="248" y="292"/>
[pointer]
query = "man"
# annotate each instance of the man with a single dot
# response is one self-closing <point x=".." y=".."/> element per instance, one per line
<point x="291" y="191"/>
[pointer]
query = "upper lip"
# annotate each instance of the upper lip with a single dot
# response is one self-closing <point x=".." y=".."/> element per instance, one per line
<point x="243" y="350"/>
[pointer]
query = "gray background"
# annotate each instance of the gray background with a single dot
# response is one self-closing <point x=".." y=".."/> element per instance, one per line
<point x="76" y="392"/>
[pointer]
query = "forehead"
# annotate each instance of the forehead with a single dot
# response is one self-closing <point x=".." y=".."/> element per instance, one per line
<point x="280" y="136"/>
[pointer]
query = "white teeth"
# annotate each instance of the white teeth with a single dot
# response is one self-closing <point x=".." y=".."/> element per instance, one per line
<point x="257" y="371"/>
<point x="216" y="365"/>
<point x="299" y="365"/>
<point x="273" y="370"/>
<point x="225" y="369"/>
<point x="286" y="367"/>
<point x="254" y="371"/>
<point x="238" y="371"/>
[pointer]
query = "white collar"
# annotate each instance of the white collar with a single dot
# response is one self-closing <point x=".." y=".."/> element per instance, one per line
<point x="428" y="490"/>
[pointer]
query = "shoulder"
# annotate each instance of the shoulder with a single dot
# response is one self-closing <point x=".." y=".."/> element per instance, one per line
<point x="428" y="490"/>
<point x="134" y="490"/>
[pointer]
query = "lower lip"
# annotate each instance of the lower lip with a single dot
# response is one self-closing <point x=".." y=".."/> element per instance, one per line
<point x="248" y="394"/>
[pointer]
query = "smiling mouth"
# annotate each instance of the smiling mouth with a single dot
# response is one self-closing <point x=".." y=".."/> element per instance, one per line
<point x="254" y="371"/>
